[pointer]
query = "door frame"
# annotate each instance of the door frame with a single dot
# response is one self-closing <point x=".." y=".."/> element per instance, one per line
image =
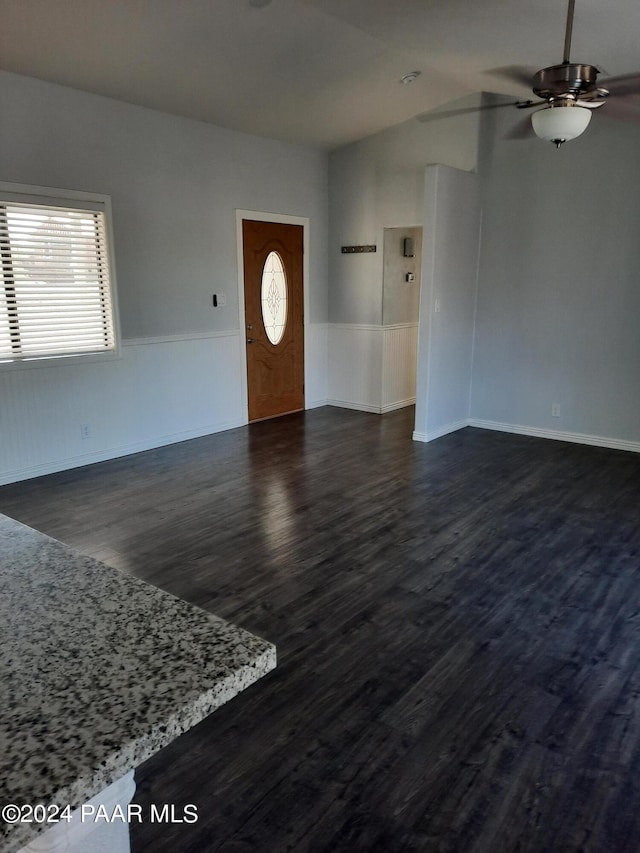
<point x="286" y="219"/>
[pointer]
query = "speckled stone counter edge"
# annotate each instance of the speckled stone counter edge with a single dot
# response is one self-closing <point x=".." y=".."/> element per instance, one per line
<point x="247" y="658"/>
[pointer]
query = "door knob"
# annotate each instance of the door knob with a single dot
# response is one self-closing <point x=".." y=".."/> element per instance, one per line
<point x="249" y="340"/>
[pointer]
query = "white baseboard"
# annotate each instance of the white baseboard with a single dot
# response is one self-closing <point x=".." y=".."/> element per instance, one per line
<point x="358" y="407"/>
<point x="438" y="433"/>
<point x="399" y="404"/>
<point x="365" y="407"/>
<point x="534" y="432"/>
<point x="316" y="404"/>
<point x="558" y="435"/>
<point x="112" y="453"/>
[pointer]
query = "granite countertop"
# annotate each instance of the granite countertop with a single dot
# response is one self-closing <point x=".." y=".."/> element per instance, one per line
<point x="99" y="671"/>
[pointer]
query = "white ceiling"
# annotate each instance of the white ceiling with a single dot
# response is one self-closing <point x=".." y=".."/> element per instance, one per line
<point x="321" y="72"/>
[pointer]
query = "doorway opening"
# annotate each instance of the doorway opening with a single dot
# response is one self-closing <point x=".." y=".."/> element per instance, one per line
<point x="402" y="263"/>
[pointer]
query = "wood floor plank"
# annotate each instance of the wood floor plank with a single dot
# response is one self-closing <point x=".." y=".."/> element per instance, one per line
<point x="457" y="626"/>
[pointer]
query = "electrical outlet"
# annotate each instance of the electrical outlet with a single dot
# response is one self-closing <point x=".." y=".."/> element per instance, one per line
<point x="555" y="410"/>
<point x="85" y="431"/>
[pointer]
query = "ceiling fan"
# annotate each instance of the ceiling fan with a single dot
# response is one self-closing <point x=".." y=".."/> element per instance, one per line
<point x="567" y="93"/>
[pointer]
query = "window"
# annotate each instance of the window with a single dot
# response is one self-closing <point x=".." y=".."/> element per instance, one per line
<point x="274" y="298"/>
<point x="57" y="289"/>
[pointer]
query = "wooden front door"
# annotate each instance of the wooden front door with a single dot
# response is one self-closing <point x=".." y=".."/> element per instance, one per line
<point x="273" y="302"/>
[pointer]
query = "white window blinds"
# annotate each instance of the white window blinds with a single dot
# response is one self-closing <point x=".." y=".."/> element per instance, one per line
<point x="55" y="291"/>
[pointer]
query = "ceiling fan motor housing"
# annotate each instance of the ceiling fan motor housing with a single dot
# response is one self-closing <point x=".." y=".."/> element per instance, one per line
<point x="569" y="78"/>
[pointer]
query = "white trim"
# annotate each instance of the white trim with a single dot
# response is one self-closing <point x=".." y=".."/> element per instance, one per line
<point x="438" y="433"/>
<point x="316" y="404"/>
<point x="534" y="432"/>
<point x="188" y="336"/>
<point x="371" y="327"/>
<point x="286" y="219"/>
<point x="52" y="192"/>
<point x="114" y="452"/>
<point x="398" y="404"/>
<point x="365" y="407"/>
<point x="358" y="407"/>
<point x="558" y="435"/>
<point x="392" y="326"/>
<point x="75" y="360"/>
<point x="357" y="327"/>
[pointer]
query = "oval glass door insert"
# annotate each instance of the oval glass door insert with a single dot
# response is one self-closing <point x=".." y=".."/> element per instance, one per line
<point x="274" y="298"/>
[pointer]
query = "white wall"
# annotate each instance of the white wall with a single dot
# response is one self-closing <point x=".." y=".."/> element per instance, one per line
<point x="559" y="287"/>
<point x="377" y="183"/>
<point x="374" y="184"/>
<point x="174" y="185"/>
<point x="447" y="302"/>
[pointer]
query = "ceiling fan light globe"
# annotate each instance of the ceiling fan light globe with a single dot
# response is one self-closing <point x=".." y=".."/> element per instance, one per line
<point x="561" y="123"/>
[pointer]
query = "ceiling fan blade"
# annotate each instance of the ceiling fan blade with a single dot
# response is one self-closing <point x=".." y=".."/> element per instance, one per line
<point x="624" y="84"/>
<point x="596" y="95"/>
<point x="435" y="115"/>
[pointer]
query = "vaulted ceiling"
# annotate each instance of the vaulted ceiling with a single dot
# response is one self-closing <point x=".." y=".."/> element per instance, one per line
<point x="320" y="72"/>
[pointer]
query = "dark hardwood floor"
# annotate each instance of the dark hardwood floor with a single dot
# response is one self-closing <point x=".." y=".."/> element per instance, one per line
<point x="458" y="632"/>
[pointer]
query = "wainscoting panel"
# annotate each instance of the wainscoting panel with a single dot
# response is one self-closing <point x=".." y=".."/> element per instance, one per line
<point x="162" y="390"/>
<point x="372" y="368"/>
<point x="400" y="344"/>
<point x="355" y="366"/>
<point x="316" y="365"/>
